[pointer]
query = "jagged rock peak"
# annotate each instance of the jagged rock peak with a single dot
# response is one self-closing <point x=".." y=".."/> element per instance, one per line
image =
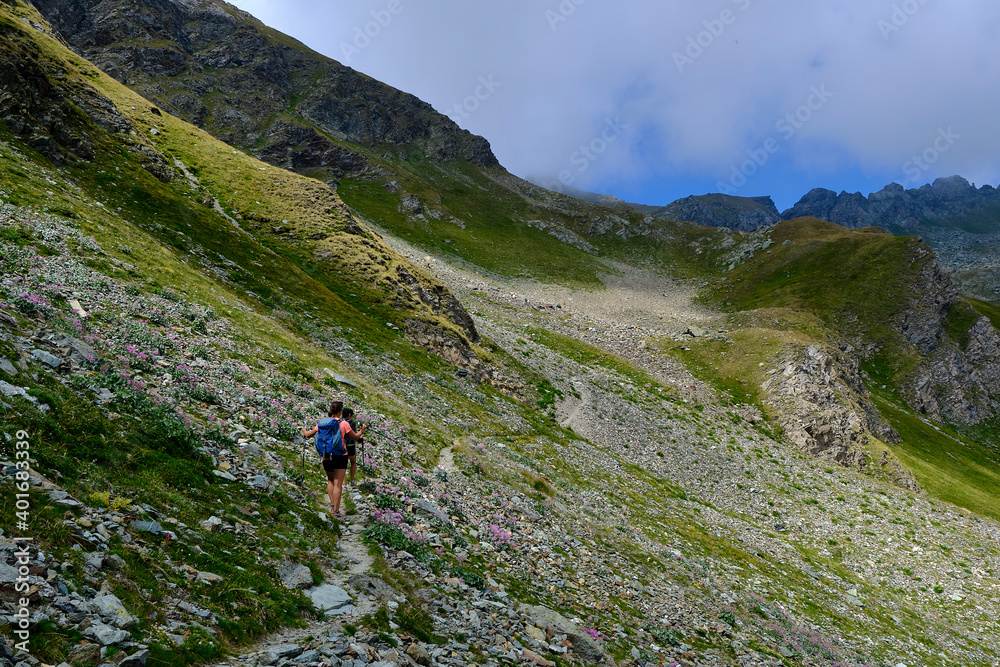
<point x="951" y="201"/>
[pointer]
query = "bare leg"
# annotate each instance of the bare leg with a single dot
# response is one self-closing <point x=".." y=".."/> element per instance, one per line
<point x="330" y="489"/>
<point x="338" y="489"/>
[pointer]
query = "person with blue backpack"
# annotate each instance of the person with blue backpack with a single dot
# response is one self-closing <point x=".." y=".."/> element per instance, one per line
<point x="332" y="435"/>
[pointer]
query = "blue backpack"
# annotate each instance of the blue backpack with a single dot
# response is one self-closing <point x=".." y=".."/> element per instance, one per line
<point x="329" y="439"/>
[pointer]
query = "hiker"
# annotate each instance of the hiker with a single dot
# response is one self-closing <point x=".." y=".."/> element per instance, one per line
<point x="352" y="449"/>
<point x="332" y="434"/>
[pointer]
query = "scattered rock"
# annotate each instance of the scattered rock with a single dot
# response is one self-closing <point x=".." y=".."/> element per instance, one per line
<point x="208" y="578"/>
<point x="153" y="527"/>
<point x="295" y="575"/>
<point x="334" y="601"/>
<point x="47" y="358"/>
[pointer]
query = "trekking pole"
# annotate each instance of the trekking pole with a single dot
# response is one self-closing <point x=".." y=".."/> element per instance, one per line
<point x="301" y="478"/>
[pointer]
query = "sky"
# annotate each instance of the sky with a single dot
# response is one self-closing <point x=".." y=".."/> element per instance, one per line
<point x="654" y="100"/>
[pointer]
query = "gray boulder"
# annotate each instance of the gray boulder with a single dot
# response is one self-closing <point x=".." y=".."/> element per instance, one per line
<point x="276" y="653"/>
<point x="332" y="600"/>
<point x="47" y="358"/>
<point x="583" y="644"/>
<point x="295" y="575"/>
<point x="137" y="659"/>
<point x="110" y="607"/>
<point x="106" y="635"/>
<point x="153" y="527"/>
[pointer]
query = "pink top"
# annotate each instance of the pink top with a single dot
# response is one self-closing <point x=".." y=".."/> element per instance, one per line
<point x="345" y="428"/>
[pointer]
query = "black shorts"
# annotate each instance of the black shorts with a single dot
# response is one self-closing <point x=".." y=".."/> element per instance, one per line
<point x="352" y="450"/>
<point x="335" y="463"/>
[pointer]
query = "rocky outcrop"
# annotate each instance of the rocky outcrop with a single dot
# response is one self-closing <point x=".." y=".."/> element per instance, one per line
<point x="821" y="402"/>
<point x="952" y="202"/>
<point x="561" y="233"/>
<point x="60" y="119"/>
<point x="718" y="210"/>
<point x="956" y="381"/>
<point x="299" y="147"/>
<point x="219" y="68"/>
<point x="440" y="300"/>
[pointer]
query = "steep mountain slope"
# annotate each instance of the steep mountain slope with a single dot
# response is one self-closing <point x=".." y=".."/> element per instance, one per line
<point x="843" y="324"/>
<point x="219" y="68"/>
<point x="71" y="121"/>
<point x="393" y="158"/>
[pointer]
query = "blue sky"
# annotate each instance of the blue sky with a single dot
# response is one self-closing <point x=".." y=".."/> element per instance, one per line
<point x="653" y="100"/>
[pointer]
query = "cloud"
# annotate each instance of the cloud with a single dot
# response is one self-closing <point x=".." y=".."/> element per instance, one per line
<point x="698" y="85"/>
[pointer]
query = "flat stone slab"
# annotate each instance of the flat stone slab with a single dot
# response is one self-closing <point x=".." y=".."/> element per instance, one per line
<point x="332" y="600"/>
<point x="339" y="378"/>
<point x="276" y="653"/>
<point x="47" y="358"/>
<point x="153" y="527"/>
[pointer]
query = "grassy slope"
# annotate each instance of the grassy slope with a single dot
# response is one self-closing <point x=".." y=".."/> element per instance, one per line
<point x="830" y="283"/>
<point x="495" y="237"/>
<point x="947" y="464"/>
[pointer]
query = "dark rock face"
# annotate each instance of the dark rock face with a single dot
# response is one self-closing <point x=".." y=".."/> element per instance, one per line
<point x="298" y="147"/>
<point x="950" y="201"/>
<point x="717" y="210"/>
<point x="219" y="68"/>
<point x="62" y="120"/>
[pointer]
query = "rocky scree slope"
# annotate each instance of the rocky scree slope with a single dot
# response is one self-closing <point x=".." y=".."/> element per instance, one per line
<point x="183" y="535"/>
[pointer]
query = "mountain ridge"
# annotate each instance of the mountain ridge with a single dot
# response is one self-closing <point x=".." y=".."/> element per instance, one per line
<point x="950" y="202"/>
<point x="257" y="76"/>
